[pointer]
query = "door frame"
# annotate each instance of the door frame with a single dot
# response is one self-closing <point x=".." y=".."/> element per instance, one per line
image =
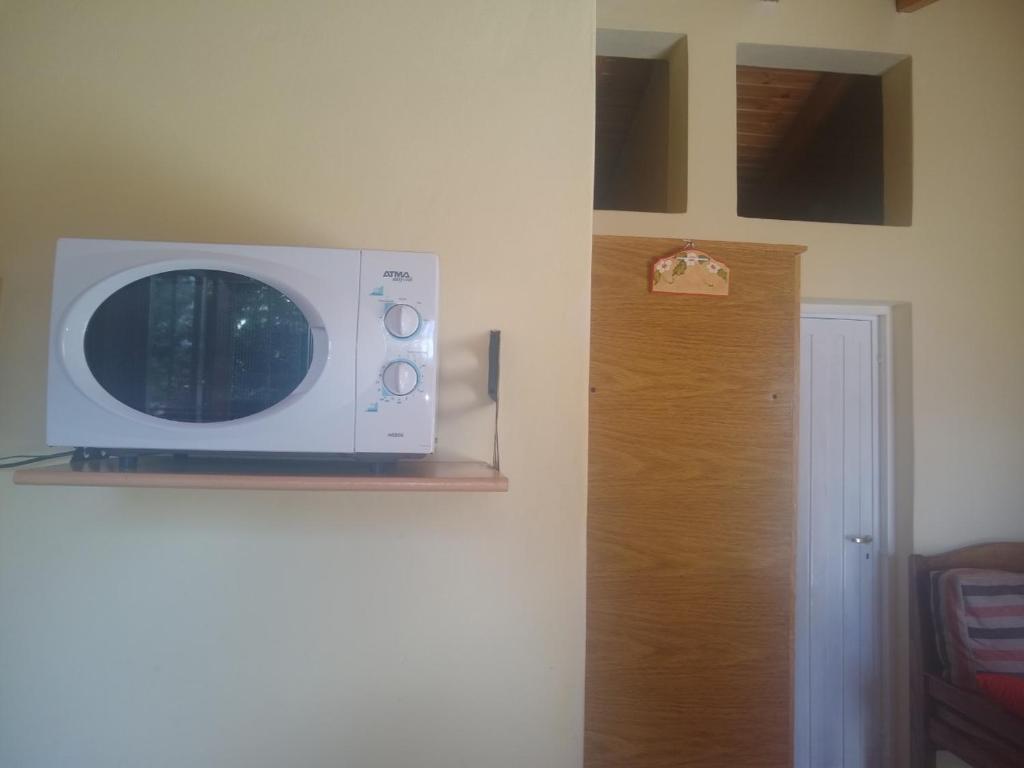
<point x="880" y="316"/>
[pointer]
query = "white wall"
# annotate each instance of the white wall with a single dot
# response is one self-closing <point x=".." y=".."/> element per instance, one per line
<point x="960" y="263"/>
<point x="177" y="628"/>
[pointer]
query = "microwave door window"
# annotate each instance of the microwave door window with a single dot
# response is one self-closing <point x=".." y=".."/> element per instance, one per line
<point x="198" y="345"/>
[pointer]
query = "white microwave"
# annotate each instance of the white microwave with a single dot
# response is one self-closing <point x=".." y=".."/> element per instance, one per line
<point x="187" y="347"/>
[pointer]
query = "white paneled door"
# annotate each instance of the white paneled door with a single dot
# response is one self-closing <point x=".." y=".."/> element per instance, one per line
<point x="837" y="694"/>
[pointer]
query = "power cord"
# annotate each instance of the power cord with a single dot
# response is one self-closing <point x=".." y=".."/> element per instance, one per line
<point x="27" y="458"/>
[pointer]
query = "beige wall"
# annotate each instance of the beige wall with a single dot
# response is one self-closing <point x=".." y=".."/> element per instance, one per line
<point x="174" y="628"/>
<point x="961" y="263"/>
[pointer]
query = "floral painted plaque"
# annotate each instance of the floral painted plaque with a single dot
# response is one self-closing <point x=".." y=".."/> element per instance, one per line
<point x="690" y="271"/>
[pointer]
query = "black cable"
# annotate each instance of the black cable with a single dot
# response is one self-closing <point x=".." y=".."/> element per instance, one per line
<point x="493" y="374"/>
<point x="30" y="459"/>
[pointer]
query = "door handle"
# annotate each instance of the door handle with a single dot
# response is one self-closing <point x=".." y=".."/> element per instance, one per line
<point x="861" y="539"/>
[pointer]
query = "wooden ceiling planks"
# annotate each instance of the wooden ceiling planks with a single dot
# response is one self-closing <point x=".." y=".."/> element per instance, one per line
<point x="809" y="145"/>
<point x="768" y="102"/>
<point x="816" y="108"/>
<point x="621" y="85"/>
<point x="907" y="6"/>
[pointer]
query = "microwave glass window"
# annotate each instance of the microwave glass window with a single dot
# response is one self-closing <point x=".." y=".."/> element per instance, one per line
<point x="198" y="345"/>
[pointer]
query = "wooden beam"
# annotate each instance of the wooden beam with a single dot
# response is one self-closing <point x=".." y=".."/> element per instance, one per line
<point x="906" y="6"/>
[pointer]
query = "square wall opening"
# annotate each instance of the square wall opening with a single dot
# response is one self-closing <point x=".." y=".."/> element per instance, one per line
<point x="640" y="121"/>
<point x="823" y="135"/>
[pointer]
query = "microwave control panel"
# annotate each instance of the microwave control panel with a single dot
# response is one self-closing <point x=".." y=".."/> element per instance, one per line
<point x="396" y="372"/>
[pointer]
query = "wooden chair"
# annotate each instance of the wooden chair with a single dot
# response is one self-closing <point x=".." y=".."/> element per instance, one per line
<point x="944" y="716"/>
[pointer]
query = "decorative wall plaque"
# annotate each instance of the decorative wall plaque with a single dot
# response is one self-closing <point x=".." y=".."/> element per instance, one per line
<point x="690" y="271"/>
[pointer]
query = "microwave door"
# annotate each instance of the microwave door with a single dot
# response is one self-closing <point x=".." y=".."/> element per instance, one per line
<point x="198" y="346"/>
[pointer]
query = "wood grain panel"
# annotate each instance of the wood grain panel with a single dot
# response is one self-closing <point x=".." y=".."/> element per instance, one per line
<point x="691" y="511"/>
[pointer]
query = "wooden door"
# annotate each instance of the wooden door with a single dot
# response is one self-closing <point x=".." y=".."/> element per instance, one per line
<point x="691" y="511"/>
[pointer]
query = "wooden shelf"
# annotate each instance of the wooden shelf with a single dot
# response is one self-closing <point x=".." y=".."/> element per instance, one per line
<point x="232" y="474"/>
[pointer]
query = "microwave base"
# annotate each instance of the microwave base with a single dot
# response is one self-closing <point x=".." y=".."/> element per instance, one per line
<point x="128" y="460"/>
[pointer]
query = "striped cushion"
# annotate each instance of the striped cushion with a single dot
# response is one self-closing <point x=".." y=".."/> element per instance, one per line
<point x="981" y="623"/>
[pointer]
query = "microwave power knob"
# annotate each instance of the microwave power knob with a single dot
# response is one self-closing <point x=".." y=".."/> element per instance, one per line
<point x="402" y="321"/>
<point x="400" y="377"/>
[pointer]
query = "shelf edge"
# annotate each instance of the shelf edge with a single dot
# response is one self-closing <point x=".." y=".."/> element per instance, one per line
<point x="64" y="476"/>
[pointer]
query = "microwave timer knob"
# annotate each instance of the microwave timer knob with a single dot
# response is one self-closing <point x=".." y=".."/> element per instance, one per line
<point x="402" y="321"/>
<point x="400" y="377"/>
